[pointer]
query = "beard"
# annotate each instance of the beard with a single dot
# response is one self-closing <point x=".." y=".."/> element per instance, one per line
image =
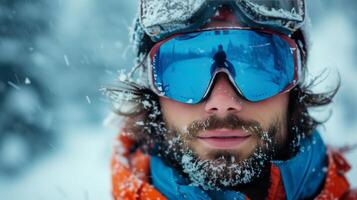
<point x="220" y="169"/>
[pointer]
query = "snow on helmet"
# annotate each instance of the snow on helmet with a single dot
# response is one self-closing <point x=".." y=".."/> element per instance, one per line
<point x="159" y="19"/>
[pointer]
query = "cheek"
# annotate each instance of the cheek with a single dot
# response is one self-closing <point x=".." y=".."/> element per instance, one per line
<point x="277" y="104"/>
<point x="268" y="110"/>
<point x="179" y="114"/>
<point x="279" y="111"/>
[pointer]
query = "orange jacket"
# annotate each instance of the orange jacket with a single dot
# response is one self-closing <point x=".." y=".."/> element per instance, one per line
<point x="131" y="171"/>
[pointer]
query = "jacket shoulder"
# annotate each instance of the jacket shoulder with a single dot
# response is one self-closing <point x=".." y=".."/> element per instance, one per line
<point x="130" y="172"/>
<point x="350" y="195"/>
<point x="336" y="185"/>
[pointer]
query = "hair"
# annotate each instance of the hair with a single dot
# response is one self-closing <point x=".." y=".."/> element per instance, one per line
<point x="146" y="107"/>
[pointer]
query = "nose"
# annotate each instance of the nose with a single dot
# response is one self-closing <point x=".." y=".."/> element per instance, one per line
<point x="223" y="98"/>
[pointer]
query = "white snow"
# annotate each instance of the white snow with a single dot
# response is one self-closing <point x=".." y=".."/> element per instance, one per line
<point x="88" y="100"/>
<point x="14" y="151"/>
<point x="122" y="76"/>
<point x="13" y="85"/>
<point x="278" y="13"/>
<point x="154" y="11"/>
<point x="78" y="168"/>
<point x="27" y="81"/>
<point x="66" y="59"/>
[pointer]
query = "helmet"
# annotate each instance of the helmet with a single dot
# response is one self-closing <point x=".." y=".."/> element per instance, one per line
<point x="159" y="19"/>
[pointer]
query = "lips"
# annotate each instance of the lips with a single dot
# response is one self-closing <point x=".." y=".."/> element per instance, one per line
<point x="224" y="138"/>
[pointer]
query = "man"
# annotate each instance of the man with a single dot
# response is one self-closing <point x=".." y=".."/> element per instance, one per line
<point x="199" y="130"/>
<point x="220" y="60"/>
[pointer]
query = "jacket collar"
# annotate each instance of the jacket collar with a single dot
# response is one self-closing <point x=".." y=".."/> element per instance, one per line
<point x="173" y="186"/>
<point x="303" y="174"/>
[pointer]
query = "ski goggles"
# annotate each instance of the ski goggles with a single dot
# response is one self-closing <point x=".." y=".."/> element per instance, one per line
<point x="260" y="64"/>
<point x="162" y="18"/>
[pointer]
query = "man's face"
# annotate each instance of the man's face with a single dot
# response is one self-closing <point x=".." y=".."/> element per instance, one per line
<point x="225" y="141"/>
<point x="225" y="130"/>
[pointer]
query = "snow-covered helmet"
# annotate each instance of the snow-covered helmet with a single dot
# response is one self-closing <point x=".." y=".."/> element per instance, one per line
<point x="159" y="19"/>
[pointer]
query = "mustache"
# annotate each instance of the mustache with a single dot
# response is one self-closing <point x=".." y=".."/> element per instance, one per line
<point x="231" y="121"/>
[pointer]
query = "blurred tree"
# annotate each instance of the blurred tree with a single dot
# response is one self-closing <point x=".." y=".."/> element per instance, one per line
<point x="25" y="102"/>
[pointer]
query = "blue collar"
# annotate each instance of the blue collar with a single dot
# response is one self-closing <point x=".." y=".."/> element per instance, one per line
<point x="302" y="175"/>
<point x="174" y="187"/>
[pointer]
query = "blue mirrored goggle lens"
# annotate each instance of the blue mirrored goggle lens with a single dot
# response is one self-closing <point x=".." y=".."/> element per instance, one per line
<point x="181" y="75"/>
<point x="261" y="64"/>
<point x="265" y="68"/>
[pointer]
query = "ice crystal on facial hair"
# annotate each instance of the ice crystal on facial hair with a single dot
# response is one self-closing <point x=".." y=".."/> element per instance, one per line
<point x="225" y="169"/>
<point x="221" y="173"/>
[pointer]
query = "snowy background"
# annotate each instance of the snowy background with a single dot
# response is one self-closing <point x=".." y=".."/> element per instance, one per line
<point x="54" y="57"/>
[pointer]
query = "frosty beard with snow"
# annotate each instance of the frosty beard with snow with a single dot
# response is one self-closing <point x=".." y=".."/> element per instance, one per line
<point x="220" y="169"/>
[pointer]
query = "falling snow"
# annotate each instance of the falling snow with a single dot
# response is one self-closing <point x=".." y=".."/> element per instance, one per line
<point x="66" y="59"/>
<point x="88" y="100"/>
<point x="27" y="81"/>
<point x="84" y="147"/>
